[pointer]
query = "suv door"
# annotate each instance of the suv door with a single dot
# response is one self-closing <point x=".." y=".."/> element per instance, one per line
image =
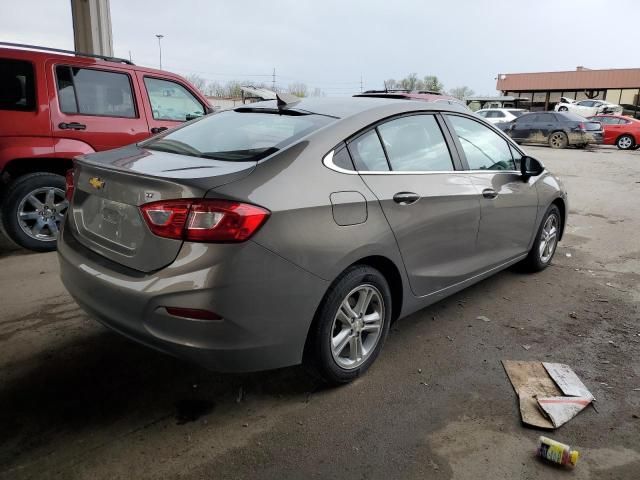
<point x="431" y="206"/>
<point x="94" y="105"/>
<point x="168" y="103"/>
<point x="508" y="204"/>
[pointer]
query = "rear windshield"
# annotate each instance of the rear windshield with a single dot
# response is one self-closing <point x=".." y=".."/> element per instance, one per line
<point x="238" y="136"/>
<point x="516" y="113"/>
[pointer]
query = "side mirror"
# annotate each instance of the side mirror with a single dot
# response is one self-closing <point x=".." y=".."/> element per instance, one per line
<point x="530" y="167"/>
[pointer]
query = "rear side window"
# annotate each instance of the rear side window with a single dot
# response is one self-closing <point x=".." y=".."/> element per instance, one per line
<point x="237" y="136"/>
<point x="17" y="88"/>
<point x="546" y="118"/>
<point x="483" y="148"/>
<point x="415" y="144"/>
<point x="171" y="101"/>
<point x="368" y="154"/>
<point x="94" y="92"/>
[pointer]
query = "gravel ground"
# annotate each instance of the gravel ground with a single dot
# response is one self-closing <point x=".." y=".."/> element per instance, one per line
<point x="77" y="401"/>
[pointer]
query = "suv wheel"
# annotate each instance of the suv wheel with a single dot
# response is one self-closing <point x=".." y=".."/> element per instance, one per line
<point x="352" y="325"/>
<point x="558" y="140"/>
<point x="546" y="241"/>
<point x="33" y="209"/>
<point x="625" y="142"/>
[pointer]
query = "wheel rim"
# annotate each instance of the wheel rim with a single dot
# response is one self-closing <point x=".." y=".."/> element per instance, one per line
<point x="625" y="142"/>
<point x="548" y="238"/>
<point x="357" y="326"/>
<point x="563" y="109"/>
<point x="40" y="213"/>
<point x="557" y="140"/>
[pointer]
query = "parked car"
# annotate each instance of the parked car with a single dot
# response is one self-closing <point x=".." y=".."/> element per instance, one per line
<point x="498" y="115"/>
<point x="255" y="238"/>
<point x="421" y="95"/>
<point x="54" y="106"/>
<point x="587" y="108"/>
<point x="556" y="129"/>
<point x="624" y="132"/>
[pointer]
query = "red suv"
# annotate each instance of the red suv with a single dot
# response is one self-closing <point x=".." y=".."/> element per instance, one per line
<point x="54" y="106"/>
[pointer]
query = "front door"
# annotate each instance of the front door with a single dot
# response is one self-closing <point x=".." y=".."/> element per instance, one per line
<point x="509" y="205"/>
<point x="432" y="207"/>
<point x="95" y="106"/>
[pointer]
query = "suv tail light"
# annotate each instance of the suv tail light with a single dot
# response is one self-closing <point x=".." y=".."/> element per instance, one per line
<point x="69" y="187"/>
<point x="204" y="220"/>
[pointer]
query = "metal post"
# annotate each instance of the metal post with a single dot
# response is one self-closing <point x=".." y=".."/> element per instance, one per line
<point x="160" y="37"/>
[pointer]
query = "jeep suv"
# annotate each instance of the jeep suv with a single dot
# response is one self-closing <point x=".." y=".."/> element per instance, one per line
<point x="56" y="104"/>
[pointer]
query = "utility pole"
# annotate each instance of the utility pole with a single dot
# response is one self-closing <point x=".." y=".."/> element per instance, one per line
<point x="273" y="80"/>
<point x="160" y="37"/>
<point x="130" y="59"/>
<point x="361" y="89"/>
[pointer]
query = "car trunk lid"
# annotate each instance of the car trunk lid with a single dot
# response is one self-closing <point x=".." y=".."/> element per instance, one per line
<point x="111" y="186"/>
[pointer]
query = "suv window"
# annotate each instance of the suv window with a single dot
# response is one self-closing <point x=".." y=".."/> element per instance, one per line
<point x="483" y="148"/>
<point x="17" y="90"/>
<point x="171" y="101"/>
<point x="94" y="92"/>
<point x="368" y="154"/>
<point x="415" y="144"/>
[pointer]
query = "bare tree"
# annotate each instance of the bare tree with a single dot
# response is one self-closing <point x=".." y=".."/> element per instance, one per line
<point x="411" y="82"/>
<point x="432" y="83"/>
<point x="317" y="92"/>
<point x="461" y="92"/>
<point x="298" y="89"/>
<point x="390" y="84"/>
<point x="197" y="81"/>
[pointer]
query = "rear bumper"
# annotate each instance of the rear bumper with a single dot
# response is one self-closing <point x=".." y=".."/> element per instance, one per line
<point x="266" y="302"/>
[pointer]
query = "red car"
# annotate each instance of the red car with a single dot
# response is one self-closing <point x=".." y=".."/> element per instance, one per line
<point x="56" y="104"/>
<point x="623" y="132"/>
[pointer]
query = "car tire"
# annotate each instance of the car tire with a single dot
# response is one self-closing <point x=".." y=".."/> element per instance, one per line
<point x="539" y="256"/>
<point x="563" y="109"/>
<point x="625" y="142"/>
<point x="18" y="200"/>
<point x="343" y="343"/>
<point x="558" y="140"/>
<point x="635" y="147"/>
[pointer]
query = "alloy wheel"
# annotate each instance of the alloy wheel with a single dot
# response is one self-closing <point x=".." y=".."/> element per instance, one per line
<point x="557" y="140"/>
<point x="357" y="326"/>
<point x="40" y="213"/>
<point x="625" y="142"/>
<point x="548" y="238"/>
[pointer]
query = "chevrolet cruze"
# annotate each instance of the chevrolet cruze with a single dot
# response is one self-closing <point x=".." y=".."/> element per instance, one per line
<point x="298" y="230"/>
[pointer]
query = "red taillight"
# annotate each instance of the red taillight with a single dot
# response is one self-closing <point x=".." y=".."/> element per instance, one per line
<point x="204" y="220"/>
<point x="69" y="187"/>
<point x="581" y="126"/>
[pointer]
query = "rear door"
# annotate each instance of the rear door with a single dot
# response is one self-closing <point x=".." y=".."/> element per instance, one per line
<point x="168" y="103"/>
<point x="94" y="105"/>
<point x="509" y="205"/>
<point x="430" y="204"/>
<point x="545" y="124"/>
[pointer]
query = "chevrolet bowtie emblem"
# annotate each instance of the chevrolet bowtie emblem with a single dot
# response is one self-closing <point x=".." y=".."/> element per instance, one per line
<point x="96" y="183"/>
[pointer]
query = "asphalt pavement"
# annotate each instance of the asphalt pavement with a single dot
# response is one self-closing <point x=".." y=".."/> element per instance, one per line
<point x="78" y="401"/>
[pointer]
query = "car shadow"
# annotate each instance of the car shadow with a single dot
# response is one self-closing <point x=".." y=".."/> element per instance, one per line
<point x="97" y="380"/>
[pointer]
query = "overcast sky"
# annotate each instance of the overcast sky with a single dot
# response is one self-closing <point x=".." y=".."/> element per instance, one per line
<point x="330" y="43"/>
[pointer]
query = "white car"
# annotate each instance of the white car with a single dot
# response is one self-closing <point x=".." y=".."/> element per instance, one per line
<point x="587" y="108"/>
<point x="499" y="115"/>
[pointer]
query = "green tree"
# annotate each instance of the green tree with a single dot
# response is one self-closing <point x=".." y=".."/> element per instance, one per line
<point x="432" y="83"/>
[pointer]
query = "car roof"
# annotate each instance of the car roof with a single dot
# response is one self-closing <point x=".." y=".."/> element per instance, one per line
<point x="341" y="107"/>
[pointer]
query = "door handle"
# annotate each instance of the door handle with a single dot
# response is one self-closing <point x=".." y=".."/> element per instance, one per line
<point x="489" y="193"/>
<point x="406" y="198"/>
<point x="71" y="126"/>
<point x="155" y="130"/>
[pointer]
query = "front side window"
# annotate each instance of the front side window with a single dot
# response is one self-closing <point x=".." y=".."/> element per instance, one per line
<point x="17" y="89"/>
<point x="416" y="144"/>
<point x="171" y="101"/>
<point x="94" y="92"/>
<point x="237" y="136"/>
<point x="368" y="154"/>
<point x="483" y="148"/>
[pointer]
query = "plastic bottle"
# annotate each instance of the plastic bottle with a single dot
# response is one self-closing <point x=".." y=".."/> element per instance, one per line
<point x="557" y="452"/>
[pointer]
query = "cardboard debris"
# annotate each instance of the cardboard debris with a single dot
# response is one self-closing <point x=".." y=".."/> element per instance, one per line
<point x="550" y="394"/>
